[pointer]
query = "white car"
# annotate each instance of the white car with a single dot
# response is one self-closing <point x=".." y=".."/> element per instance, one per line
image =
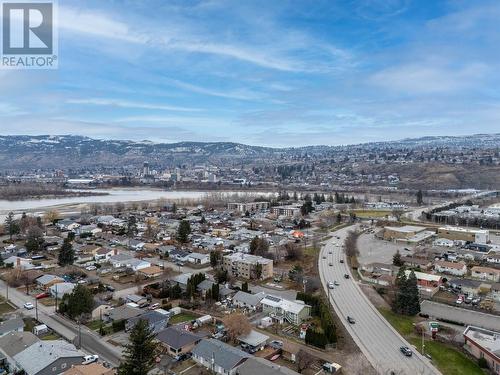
<point x="91" y="268"/>
<point x="330" y="285"/>
<point x="28" y="306"/>
<point x="88" y="359"/>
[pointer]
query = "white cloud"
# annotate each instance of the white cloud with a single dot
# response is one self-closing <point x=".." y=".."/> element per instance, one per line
<point x="129" y="104"/>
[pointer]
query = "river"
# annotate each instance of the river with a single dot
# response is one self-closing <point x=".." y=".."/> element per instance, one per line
<point x="112" y="196"/>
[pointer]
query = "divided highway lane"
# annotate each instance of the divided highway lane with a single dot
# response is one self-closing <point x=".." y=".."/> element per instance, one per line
<point x="91" y="342"/>
<point x="376" y="338"/>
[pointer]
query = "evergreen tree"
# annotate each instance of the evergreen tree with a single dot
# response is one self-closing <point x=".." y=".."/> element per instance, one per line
<point x="215" y="291"/>
<point x="244" y="287"/>
<point x="413" y="302"/>
<point x="141" y="352"/>
<point x="183" y="231"/>
<point x="66" y="253"/>
<point x="131" y="226"/>
<point x="400" y="298"/>
<point x="11" y="225"/>
<point x="79" y="301"/>
<point x="420" y="197"/>
<point x="396" y="259"/>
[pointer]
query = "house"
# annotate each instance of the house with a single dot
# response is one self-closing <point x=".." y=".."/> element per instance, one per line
<point x="134" y="298"/>
<point x="150" y="272"/>
<point x="493" y="257"/>
<point x="156" y="321"/>
<point x="137" y="264"/>
<point x="206" y="285"/>
<point x="177" y="341"/>
<point x="254" y="340"/>
<point x="100" y="311"/>
<point x="46" y="281"/>
<point x="88" y="230"/>
<point x="11" y="325"/>
<point x="485" y="273"/>
<point x="426" y="281"/>
<point x="104" y="254"/>
<point x="67" y="225"/>
<point x="12" y="344"/>
<point x="48" y="357"/>
<point x="197" y="258"/>
<point x="261" y="366"/>
<point x="495" y="291"/>
<point x="119" y="260"/>
<point x="90" y="369"/>
<point x="483" y="343"/>
<point x="18" y="262"/>
<point x="182" y="280"/>
<point x="450" y="268"/>
<point x="58" y="290"/>
<point x="136" y="245"/>
<point x="179" y="255"/>
<point x="248" y="300"/>
<point x="418" y="262"/>
<point x="248" y="266"/>
<point x="219" y="357"/>
<point x="123" y="312"/>
<point x="294" y="312"/>
<point x="470" y="287"/>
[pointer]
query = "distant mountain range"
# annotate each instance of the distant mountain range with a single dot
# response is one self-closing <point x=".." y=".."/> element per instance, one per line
<point x="77" y="152"/>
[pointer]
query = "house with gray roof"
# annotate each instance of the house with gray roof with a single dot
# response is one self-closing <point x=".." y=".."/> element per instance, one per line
<point x="50" y="357"/>
<point x="156" y="321"/>
<point x="262" y="366"/>
<point x="11" y="325"/>
<point x="248" y="300"/>
<point x="123" y="312"/>
<point x="12" y="344"/>
<point x="219" y="357"/>
<point x="178" y="341"/>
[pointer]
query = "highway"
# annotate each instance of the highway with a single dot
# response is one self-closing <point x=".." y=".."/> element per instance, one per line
<point x="91" y="342"/>
<point x="376" y="338"/>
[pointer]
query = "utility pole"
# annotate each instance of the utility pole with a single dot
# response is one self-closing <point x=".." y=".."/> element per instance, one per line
<point x="80" y="332"/>
<point x="423" y="342"/>
<point x="56" y="299"/>
<point x="36" y="308"/>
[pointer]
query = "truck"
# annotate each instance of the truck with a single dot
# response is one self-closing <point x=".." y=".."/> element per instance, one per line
<point x="332" y="368"/>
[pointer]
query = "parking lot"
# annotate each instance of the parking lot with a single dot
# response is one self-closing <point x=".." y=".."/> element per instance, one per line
<point x="372" y="249"/>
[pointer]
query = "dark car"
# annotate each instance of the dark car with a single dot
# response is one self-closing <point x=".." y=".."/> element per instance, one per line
<point x="342" y="261"/>
<point x="351" y="320"/>
<point x="346" y="276"/>
<point x="110" y="288"/>
<point x="406" y="351"/>
<point x="330" y="264"/>
<point x="182" y="357"/>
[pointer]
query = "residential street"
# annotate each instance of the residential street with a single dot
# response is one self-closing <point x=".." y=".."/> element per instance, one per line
<point x="372" y="333"/>
<point x="91" y="341"/>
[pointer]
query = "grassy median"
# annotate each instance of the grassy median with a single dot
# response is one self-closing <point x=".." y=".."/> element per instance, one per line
<point x="446" y="358"/>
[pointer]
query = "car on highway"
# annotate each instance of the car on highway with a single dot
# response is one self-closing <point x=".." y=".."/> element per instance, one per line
<point x="330" y="285"/>
<point x="28" y="306"/>
<point x="342" y="261"/>
<point x="351" y="320"/>
<point x="406" y="351"/>
<point x="336" y="283"/>
<point x="324" y="256"/>
<point x="346" y="276"/>
<point x="88" y="359"/>
<point x="329" y="252"/>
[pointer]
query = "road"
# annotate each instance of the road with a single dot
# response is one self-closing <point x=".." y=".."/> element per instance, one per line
<point x="91" y="342"/>
<point x="461" y="315"/>
<point x="376" y="338"/>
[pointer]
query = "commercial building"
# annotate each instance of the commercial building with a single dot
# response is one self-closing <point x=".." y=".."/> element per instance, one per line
<point x="483" y="343"/>
<point x="407" y="233"/>
<point x="247" y="266"/>
<point x="480" y="236"/>
<point x="248" y="206"/>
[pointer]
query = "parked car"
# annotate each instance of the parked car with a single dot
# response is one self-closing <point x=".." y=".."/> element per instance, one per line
<point x="182" y="357"/>
<point x="406" y="351"/>
<point x="88" y="359"/>
<point x="91" y="268"/>
<point x="110" y="288"/>
<point x="154" y="306"/>
<point x="28" y="306"/>
<point x="42" y="295"/>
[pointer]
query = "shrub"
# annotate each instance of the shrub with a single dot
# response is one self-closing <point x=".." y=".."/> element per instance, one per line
<point x="482" y="362"/>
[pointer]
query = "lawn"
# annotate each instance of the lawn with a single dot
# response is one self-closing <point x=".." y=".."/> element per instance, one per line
<point x="371" y="213"/>
<point x="5" y="308"/>
<point x="51" y="336"/>
<point x="446" y="358"/>
<point x="181" y="318"/>
<point x="94" y="325"/>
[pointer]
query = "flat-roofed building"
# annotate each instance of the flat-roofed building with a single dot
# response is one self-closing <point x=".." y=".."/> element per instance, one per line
<point x="288" y="211"/>
<point x="483" y="343"/>
<point x="248" y="206"/>
<point x="404" y="232"/>
<point x="246" y="266"/>
<point x="480" y="236"/>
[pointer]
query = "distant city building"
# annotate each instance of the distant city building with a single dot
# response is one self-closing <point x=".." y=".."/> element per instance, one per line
<point x="249" y="206"/>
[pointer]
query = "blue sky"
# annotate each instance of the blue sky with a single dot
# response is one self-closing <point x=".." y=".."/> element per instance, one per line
<point x="273" y="73"/>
